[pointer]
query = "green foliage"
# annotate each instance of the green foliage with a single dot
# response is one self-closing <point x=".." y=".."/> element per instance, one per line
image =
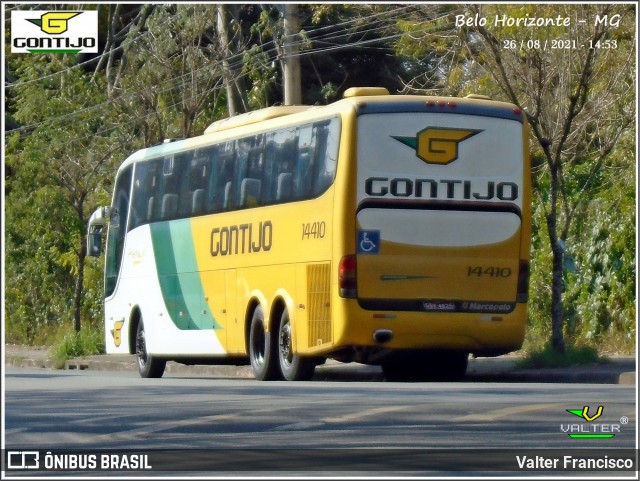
<point x="71" y="344"/>
<point x="55" y="176"/>
<point x="549" y="357"/>
<point x="262" y="75"/>
<point x="599" y="294"/>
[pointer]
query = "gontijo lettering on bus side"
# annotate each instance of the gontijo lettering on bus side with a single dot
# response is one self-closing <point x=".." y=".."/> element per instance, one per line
<point x="241" y="238"/>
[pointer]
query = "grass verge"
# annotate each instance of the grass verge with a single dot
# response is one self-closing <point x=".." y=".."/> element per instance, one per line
<point x="73" y="344"/>
<point x="547" y="356"/>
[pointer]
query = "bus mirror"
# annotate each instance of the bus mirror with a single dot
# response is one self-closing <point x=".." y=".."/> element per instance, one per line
<point x="100" y="216"/>
<point x="94" y="244"/>
<point x="97" y="222"/>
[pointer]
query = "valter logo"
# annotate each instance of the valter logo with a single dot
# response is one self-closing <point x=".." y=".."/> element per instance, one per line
<point x="35" y="31"/>
<point x="591" y="430"/>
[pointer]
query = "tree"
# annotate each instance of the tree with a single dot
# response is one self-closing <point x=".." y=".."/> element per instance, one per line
<point x="58" y="159"/>
<point x="172" y="78"/>
<point x="569" y="82"/>
<point x="578" y="104"/>
<point x="230" y="44"/>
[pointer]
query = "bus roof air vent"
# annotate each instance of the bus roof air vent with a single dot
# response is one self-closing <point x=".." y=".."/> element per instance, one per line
<point x="364" y="91"/>
<point x="477" y="96"/>
<point x="253" y="117"/>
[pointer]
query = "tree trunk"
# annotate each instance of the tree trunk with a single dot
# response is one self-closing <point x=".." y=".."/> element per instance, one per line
<point x="233" y="81"/>
<point x="78" y="291"/>
<point x="557" y="335"/>
<point x="79" y="288"/>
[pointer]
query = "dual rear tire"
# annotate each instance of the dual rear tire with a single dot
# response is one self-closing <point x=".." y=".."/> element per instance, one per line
<point x="271" y="352"/>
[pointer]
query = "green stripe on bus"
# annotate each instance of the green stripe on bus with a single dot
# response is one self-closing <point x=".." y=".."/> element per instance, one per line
<point x="179" y="277"/>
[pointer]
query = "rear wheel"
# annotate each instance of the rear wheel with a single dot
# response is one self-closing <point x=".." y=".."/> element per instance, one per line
<point x="292" y="366"/>
<point x="425" y="366"/>
<point x="148" y="365"/>
<point x="262" y="348"/>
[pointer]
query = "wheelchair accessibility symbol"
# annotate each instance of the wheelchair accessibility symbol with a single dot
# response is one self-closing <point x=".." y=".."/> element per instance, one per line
<point x="368" y="242"/>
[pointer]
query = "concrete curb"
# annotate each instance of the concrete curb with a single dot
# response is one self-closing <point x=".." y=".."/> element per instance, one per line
<point x="618" y="371"/>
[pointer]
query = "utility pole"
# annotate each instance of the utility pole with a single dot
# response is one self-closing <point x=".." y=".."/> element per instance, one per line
<point x="292" y="77"/>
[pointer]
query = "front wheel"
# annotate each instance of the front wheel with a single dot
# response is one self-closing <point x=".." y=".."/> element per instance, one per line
<point x="148" y="365"/>
<point x="292" y="366"/>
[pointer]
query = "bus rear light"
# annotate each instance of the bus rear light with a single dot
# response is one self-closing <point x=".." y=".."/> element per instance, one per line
<point x="347" y="277"/>
<point x="523" y="282"/>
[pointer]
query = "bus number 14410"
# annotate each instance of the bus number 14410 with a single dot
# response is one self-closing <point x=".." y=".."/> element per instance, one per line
<point x="480" y="271"/>
<point x="313" y="230"/>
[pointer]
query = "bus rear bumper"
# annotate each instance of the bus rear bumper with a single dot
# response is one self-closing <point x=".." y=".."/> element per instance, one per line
<point x="483" y="335"/>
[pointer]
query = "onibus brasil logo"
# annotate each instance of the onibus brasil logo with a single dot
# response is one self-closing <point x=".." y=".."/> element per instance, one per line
<point x="591" y="430"/>
<point x="34" y="31"/>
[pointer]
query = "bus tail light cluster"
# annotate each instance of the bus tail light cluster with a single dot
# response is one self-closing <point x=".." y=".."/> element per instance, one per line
<point x="347" y="277"/>
<point x="523" y="282"/>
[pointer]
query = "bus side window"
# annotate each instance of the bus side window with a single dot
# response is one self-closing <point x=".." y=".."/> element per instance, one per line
<point x="215" y="185"/>
<point x="304" y="175"/>
<point x="271" y="169"/>
<point x="222" y="178"/>
<point x="143" y="184"/>
<point x="117" y="229"/>
<point x="251" y="186"/>
<point x="280" y="156"/>
<point x="249" y="165"/>
<point x="173" y="176"/>
<point x="153" y="201"/>
<point x="193" y="184"/>
<point x="327" y="136"/>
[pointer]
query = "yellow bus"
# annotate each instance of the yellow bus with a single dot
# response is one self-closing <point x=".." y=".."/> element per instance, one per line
<point x="381" y="229"/>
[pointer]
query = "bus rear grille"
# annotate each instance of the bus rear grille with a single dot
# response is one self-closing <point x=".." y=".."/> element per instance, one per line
<point x="318" y="300"/>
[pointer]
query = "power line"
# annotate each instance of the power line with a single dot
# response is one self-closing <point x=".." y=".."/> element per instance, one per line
<point x="236" y="61"/>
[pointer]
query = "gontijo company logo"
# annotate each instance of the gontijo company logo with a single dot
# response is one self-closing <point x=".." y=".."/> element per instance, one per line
<point x="437" y="145"/>
<point x="35" y="31"/>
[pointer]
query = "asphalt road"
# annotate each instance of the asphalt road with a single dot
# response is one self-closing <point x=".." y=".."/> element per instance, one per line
<point x="235" y="420"/>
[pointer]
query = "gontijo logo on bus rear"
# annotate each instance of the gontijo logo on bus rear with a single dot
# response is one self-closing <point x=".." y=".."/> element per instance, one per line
<point x="34" y="31"/>
<point x="437" y="145"/>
